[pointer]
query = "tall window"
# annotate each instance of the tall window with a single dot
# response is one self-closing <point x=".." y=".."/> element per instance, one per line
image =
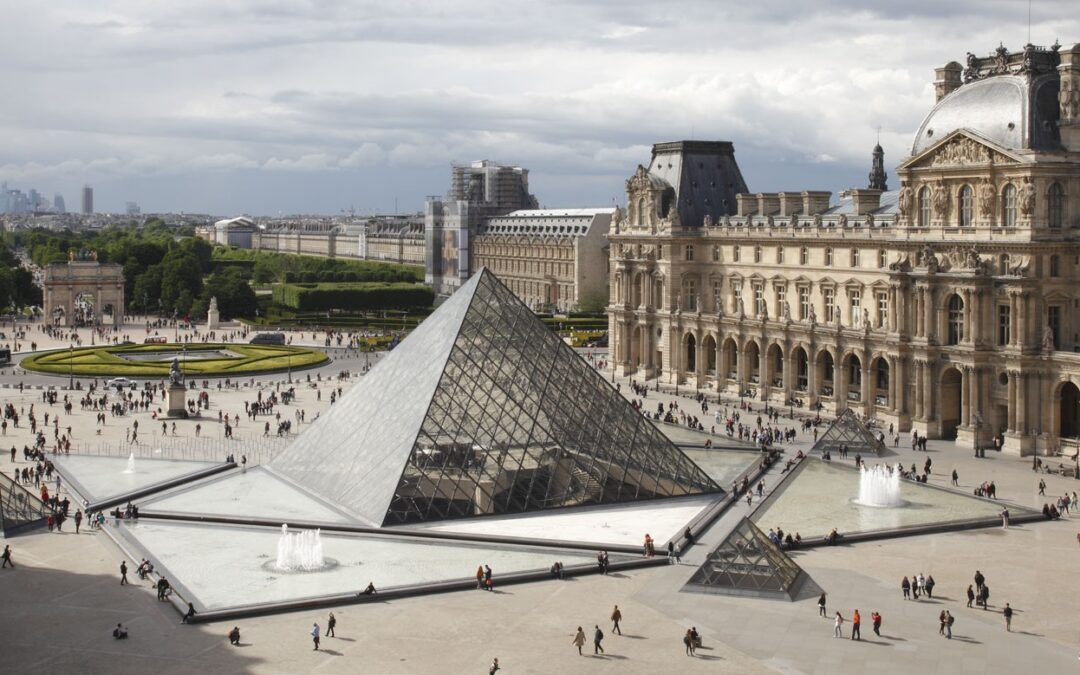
<point x="781" y="298"/>
<point x="690" y="295"/>
<point x="689" y="253"/>
<point x="924" y="207"/>
<point x="759" y="299"/>
<point x="641" y="212"/>
<point x="804" y="303"/>
<point x="780" y="255"/>
<point x="804" y="256"/>
<point x="735" y="253"/>
<point x="1008" y="206"/>
<point x="854" y="257"/>
<point x="1004" y="325"/>
<point x="736" y="293"/>
<point x="956" y="320"/>
<point x="830" y="304"/>
<point x="882" y="309"/>
<point x="967" y="198"/>
<point x="757" y="254"/>
<point x="828" y="257"/>
<point x="1055" y="266"/>
<point x="1053" y="319"/>
<point x="855" y="298"/>
<point x="882" y="259"/>
<point x="716" y="252"/>
<point x="1055" y="205"/>
<point x="717" y="294"/>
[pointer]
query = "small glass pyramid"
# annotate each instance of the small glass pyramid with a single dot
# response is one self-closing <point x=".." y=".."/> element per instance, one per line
<point x="483" y="410"/>
<point x="748" y="563"/>
<point x="847" y="429"/>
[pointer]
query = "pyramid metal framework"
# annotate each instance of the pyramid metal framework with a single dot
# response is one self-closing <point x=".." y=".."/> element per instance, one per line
<point x="484" y="410"/>
<point x="19" y="508"/>
<point x="748" y="563"/>
<point x="847" y="429"/>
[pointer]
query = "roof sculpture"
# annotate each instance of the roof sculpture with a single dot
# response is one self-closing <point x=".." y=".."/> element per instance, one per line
<point x="748" y="563"/>
<point x="847" y="429"/>
<point x="483" y="410"/>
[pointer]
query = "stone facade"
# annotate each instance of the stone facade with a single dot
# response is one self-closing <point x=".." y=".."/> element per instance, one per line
<point x="85" y="277"/>
<point x="946" y="306"/>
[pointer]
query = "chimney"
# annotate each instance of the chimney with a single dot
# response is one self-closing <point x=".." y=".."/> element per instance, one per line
<point x="790" y="203"/>
<point x="747" y="203"/>
<point x="865" y="200"/>
<point x="768" y="203"/>
<point x="948" y="79"/>
<point x="815" y="201"/>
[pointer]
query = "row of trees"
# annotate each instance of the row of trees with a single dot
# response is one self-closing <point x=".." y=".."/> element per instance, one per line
<point x="17" y="288"/>
<point x="268" y="267"/>
<point x="164" y="270"/>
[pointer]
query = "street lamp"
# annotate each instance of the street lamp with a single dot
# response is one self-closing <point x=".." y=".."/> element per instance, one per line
<point x="71" y="371"/>
<point x="288" y="362"/>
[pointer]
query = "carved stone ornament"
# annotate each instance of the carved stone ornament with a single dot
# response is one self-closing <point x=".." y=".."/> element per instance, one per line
<point x="1048" y="339"/>
<point x="987" y="195"/>
<point x="707" y="221"/>
<point x="961" y="151"/>
<point x="616" y="219"/>
<point x="901" y="265"/>
<point x="842" y="220"/>
<point x="811" y="316"/>
<point x="1027" y="197"/>
<point x="928" y="259"/>
<point x="905" y="199"/>
<point x="787" y="312"/>
<point x="866" y="319"/>
<point x="940" y="200"/>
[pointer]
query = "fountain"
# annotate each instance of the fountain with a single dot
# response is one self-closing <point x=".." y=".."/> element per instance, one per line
<point x="130" y="464"/>
<point x="300" y="552"/>
<point x="879" y="486"/>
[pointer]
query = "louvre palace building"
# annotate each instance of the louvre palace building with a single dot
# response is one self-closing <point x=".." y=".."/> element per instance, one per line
<point x="948" y="306"/>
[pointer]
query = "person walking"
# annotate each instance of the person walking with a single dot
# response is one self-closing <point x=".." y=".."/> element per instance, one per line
<point x="1042" y="488"/>
<point x="838" y="626"/>
<point x="494" y="666"/>
<point x="955" y="478"/>
<point x="123" y="572"/>
<point x="856" y="622"/>
<point x="579" y="640"/>
<point x="6" y="557"/>
<point x="905" y="585"/>
<point x="598" y="637"/>
<point x="616" y="617"/>
<point x="1005" y="518"/>
<point x="315" y="635"/>
<point x="970" y="595"/>
<point x="78" y="520"/>
<point x="480" y="577"/>
<point x="875" y="620"/>
<point x="688" y="641"/>
<point x="821" y="605"/>
<point x="948" y="624"/>
<point x="1008" y="612"/>
<point x="941" y="622"/>
<point x="930" y="583"/>
<point x="330" y="623"/>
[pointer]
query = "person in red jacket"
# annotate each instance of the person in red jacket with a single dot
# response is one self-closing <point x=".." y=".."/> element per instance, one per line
<point x="875" y="618"/>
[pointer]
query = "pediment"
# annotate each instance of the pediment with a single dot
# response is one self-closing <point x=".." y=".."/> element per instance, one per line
<point x="960" y="149"/>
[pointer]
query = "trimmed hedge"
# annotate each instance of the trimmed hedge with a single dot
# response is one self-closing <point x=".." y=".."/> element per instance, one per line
<point x="354" y="297"/>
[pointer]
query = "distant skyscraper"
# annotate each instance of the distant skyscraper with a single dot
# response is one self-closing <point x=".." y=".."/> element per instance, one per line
<point x="132" y="208"/>
<point x="87" y="200"/>
<point x="58" y="203"/>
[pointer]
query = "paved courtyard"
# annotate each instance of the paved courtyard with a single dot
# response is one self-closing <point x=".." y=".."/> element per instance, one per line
<point x="64" y="597"/>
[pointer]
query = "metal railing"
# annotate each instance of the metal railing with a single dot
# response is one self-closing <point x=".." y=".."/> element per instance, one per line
<point x="257" y="450"/>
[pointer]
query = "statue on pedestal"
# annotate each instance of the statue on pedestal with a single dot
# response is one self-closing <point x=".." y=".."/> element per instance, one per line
<point x="175" y="376"/>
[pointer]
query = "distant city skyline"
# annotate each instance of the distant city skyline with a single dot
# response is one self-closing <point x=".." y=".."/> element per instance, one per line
<point x="325" y="107"/>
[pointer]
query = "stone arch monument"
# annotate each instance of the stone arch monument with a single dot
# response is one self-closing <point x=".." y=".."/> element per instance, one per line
<point x="83" y="276"/>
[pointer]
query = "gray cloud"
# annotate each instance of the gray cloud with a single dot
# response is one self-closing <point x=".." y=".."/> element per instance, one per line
<point x="374" y="99"/>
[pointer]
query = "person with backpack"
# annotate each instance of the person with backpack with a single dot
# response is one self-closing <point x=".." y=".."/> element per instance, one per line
<point x="598" y="637"/>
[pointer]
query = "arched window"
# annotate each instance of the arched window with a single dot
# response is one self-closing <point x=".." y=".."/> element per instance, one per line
<point x="828" y="257"/>
<point x="924" y="207"/>
<point x="967" y="199"/>
<point x="956" y="320"/>
<point x="1055" y="205"/>
<point x="641" y="212"/>
<point x="1008" y="206"/>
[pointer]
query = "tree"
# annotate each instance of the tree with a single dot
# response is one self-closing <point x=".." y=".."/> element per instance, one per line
<point x="234" y="295"/>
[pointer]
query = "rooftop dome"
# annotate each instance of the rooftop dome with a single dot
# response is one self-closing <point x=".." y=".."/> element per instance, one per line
<point x="1016" y="112"/>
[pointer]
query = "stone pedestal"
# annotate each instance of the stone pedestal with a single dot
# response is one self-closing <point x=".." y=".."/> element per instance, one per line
<point x="213" y="317"/>
<point x="177" y="400"/>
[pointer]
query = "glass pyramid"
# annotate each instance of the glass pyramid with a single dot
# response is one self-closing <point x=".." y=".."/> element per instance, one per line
<point x="484" y="410"/>
<point x="19" y="508"/>
<point x="747" y="563"/>
<point x="847" y="429"/>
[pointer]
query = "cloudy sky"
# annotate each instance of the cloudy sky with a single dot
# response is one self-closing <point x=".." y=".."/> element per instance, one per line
<point x="268" y="106"/>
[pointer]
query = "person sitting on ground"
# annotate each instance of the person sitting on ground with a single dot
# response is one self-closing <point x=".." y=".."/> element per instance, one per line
<point x="370" y="590"/>
<point x="234" y="636"/>
<point x="120" y="633"/>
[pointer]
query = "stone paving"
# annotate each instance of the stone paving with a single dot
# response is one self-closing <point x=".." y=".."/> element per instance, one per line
<point x="64" y="597"/>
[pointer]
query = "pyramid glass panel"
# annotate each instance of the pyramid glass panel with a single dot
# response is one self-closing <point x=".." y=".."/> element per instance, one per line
<point x="748" y="563"/>
<point x="847" y="429"/>
<point x="486" y="411"/>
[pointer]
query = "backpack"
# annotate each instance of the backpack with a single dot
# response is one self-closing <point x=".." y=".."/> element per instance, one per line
<point x="599" y="635"/>
<point x="950" y="621"/>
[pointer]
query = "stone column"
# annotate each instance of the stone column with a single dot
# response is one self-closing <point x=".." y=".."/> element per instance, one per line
<point x="920" y="410"/>
<point x="1014" y="319"/>
<point x="901" y="385"/>
<point x="1022" y="328"/>
<point x="811" y="379"/>
<point x="973" y="395"/>
<point x="930" y="387"/>
<point x="789" y="377"/>
<point x="840" y="380"/>
<point x="1012" y="401"/>
<point x="869" y="388"/>
<point x="930" y="329"/>
<point x="699" y="359"/>
<point x="968" y="311"/>
<point x="965" y="408"/>
<point x="1021" y="403"/>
